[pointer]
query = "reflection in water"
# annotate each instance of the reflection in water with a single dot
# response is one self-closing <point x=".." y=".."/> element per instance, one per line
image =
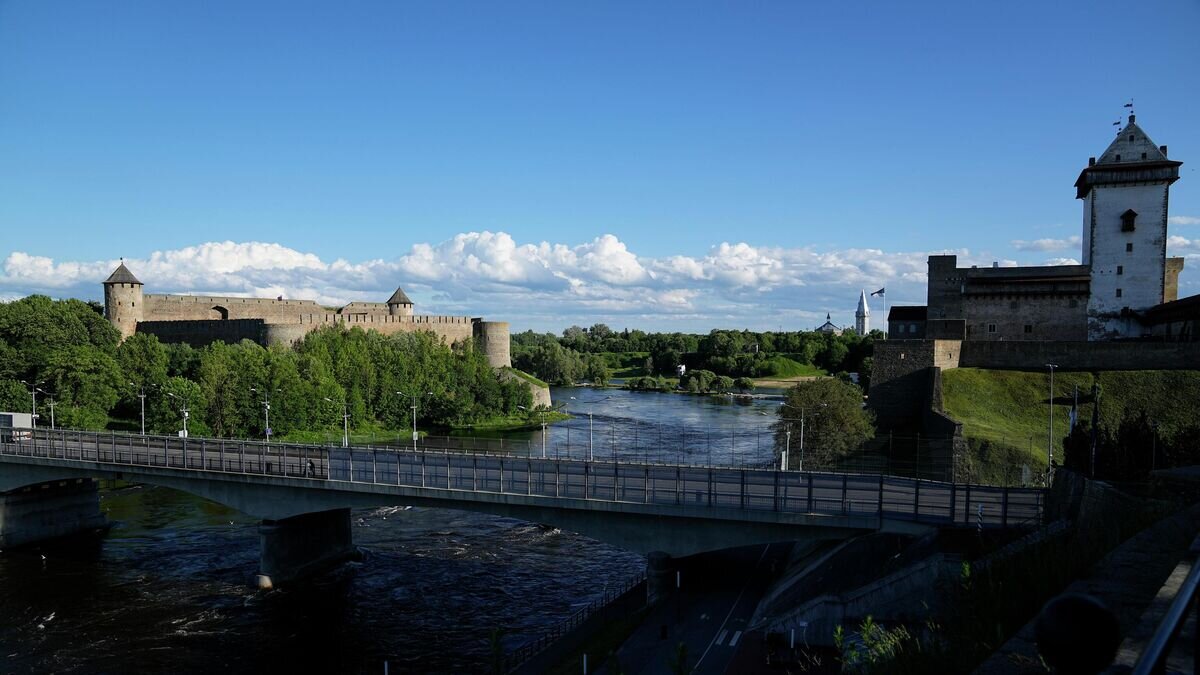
<point x="168" y="588"/>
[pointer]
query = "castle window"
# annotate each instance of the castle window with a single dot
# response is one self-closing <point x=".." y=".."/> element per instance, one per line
<point x="1129" y="248"/>
<point x="1028" y="328"/>
<point x="991" y="328"/>
<point x="1118" y="158"/>
<point x="1118" y="292"/>
<point x="1128" y="220"/>
<point x="1120" y="269"/>
<point x="1131" y="137"/>
<point x="1143" y="155"/>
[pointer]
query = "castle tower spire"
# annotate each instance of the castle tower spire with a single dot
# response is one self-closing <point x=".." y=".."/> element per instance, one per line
<point x="862" y="316"/>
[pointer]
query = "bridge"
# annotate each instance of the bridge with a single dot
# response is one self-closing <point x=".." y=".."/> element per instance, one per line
<point x="303" y="494"/>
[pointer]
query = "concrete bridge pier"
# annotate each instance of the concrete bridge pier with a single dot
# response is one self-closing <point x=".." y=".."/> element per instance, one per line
<point x="660" y="581"/>
<point x="303" y="545"/>
<point x="49" y="510"/>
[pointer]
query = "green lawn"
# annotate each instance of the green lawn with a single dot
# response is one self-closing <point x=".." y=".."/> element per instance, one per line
<point x="526" y="376"/>
<point x="787" y="367"/>
<point x="626" y="364"/>
<point x="1010" y="407"/>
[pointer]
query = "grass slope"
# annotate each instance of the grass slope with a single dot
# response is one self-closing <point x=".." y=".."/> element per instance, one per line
<point x="626" y="364"/>
<point x="1010" y="407"/>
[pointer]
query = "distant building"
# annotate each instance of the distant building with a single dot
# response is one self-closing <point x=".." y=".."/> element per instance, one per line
<point x="829" y="327"/>
<point x="1125" y="286"/>
<point x="862" y="316"/>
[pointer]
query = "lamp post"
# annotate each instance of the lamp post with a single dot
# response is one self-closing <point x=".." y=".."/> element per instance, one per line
<point x="142" y="397"/>
<point x="414" y="415"/>
<point x="345" y="421"/>
<point x="266" y="402"/>
<point x="591" y="457"/>
<point x="543" y="413"/>
<point x="789" y="433"/>
<point x="183" y="411"/>
<point x="787" y="446"/>
<point x="51" y="397"/>
<point x="1050" y="429"/>
<point x="33" y="389"/>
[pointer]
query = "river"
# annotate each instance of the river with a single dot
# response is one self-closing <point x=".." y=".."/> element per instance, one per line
<point x="168" y="588"/>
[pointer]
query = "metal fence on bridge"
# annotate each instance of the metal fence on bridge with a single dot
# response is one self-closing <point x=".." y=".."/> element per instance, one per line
<point x="455" y="474"/>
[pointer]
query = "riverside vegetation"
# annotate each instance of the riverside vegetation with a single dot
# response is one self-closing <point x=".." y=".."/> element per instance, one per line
<point x="75" y="357"/>
<point x="599" y="353"/>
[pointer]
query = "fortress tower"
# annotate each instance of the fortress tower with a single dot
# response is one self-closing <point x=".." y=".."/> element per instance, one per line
<point x="1125" y="196"/>
<point x="123" y="302"/>
<point x="399" y="304"/>
<point x="862" y="316"/>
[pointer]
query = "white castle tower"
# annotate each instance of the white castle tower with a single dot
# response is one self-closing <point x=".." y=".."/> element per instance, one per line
<point x="1124" y="197"/>
<point x="862" y="317"/>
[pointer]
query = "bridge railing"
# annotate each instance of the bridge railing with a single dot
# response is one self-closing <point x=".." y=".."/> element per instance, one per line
<point x="447" y="473"/>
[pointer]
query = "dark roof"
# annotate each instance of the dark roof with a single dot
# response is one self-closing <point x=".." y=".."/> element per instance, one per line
<point x="1177" y="310"/>
<point x="399" y="298"/>
<point x="122" y="275"/>
<point x="908" y="313"/>
<point x="1132" y="157"/>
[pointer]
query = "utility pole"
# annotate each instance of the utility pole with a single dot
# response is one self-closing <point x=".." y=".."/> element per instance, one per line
<point x="1050" y="430"/>
<point x="142" y="398"/>
<point x="33" y="389"/>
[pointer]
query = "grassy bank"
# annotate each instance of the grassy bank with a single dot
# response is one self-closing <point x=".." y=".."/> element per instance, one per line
<point x="1009" y="410"/>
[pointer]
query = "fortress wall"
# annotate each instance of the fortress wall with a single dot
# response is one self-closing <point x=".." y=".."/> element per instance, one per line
<point x="200" y="333"/>
<point x="200" y="307"/>
<point x="365" y="307"/>
<point x="900" y="377"/>
<point x="1050" y="317"/>
<point x="491" y="338"/>
<point x="1081" y="355"/>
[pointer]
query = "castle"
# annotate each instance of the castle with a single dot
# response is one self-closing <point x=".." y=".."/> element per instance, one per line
<point x="201" y="319"/>
<point x="1126" y="286"/>
<point x="1117" y="310"/>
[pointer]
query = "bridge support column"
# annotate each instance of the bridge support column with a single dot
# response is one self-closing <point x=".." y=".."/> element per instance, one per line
<point x="659" y="580"/>
<point x="49" y="510"/>
<point x="300" y="546"/>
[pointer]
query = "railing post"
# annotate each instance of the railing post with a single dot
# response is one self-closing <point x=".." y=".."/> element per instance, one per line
<point x="501" y="475"/>
<point x="710" y="487"/>
<point x="475" y="473"/>
<point x="967" y="507"/>
<point x="809" y="478"/>
<point x="646" y="484"/>
<point x="917" y="499"/>
<point x="556" y="478"/>
<point x="374" y="465"/>
<point x="203" y="461"/>
<point x="845" y="511"/>
<point x="881" y="496"/>
<point x="1004" y="508"/>
<point x="350" y="463"/>
<point x="776" y="490"/>
<point x="422" y="469"/>
<point x="585" y="480"/>
<point x="742" y="473"/>
<point x="528" y="476"/>
<point x="953" y="498"/>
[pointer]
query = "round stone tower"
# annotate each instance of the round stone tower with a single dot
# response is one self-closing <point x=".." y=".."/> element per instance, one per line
<point x="399" y="304"/>
<point x="491" y="338"/>
<point x="123" y="304"/>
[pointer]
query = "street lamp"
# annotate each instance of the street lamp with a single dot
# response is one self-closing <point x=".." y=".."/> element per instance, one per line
<point x="590" y="455"/>
<point x="33" y="388"/>
<point x="183" y="411"/>
<point x="1050" y="430"/>
<point x="345" y="421"/>
<point x="414" y="414"/>
<point x="51" y="397"/>
<point x="789" y="433"/>
<point x="142" y="396"/>
<point x="266" y="410"/>
<point x="543" y="414"/>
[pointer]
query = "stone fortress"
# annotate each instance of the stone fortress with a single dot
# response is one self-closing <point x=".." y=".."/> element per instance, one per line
<point x="201" y="319"/>
<point x="1125" y="288"/>
<point x="1118" y="310"/>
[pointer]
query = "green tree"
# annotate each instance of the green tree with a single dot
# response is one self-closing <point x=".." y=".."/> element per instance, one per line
<point x="835" y="421"/>
<point x="744" y="384"/>
<point x="85" y="382"/>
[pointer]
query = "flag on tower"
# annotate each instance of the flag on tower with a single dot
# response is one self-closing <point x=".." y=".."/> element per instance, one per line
<point x="878" y="292"/>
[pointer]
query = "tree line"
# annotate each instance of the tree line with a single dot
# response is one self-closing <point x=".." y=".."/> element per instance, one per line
<point x="75" y="358"/>
<point x="577" y="355"/>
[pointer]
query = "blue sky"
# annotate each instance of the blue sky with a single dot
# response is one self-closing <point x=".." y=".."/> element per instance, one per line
<point x="555" y="163"/>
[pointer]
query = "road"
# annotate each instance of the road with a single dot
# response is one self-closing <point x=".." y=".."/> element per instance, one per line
<point x="717" y="595"/>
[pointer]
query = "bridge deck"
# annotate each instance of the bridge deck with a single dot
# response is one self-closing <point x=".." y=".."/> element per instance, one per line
<point x="445" y="472"/>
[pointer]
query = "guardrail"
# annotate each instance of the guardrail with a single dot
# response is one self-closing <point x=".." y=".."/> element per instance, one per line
<point x="521" y="654"/>
<point x="453" y="474"/>
<point x="1153" y="659"/>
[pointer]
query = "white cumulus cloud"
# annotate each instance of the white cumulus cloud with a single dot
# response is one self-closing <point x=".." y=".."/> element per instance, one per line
<point x="1048" y="244"/>
<point x="1183" y="220"/>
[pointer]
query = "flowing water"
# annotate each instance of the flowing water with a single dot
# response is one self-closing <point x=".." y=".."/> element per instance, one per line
<point x="168" y="588"/>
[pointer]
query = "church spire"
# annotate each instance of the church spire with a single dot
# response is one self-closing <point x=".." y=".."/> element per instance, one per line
<point x="862" y="317"/>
